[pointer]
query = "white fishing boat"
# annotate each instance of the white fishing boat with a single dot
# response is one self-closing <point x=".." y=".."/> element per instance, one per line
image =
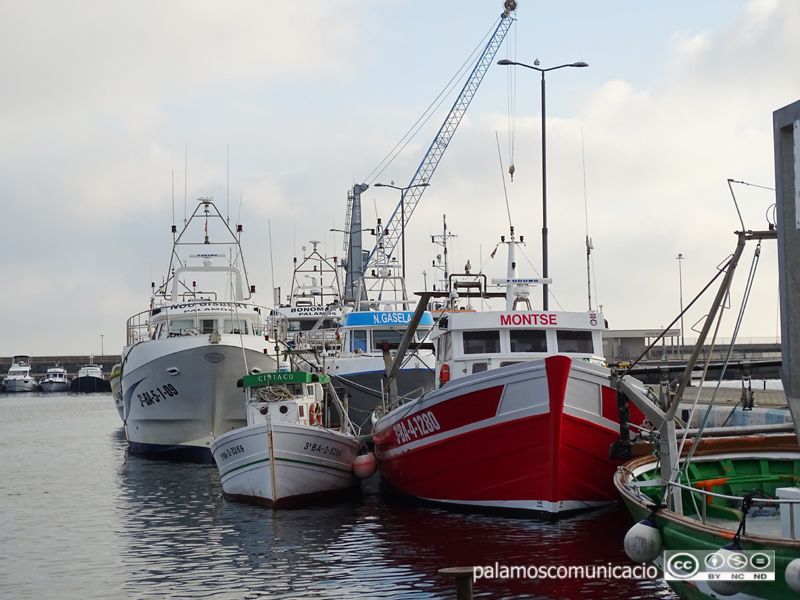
<point x="314" y="308"/>
<point x="19" y="378"/>
<point x="55" y="380"/>
<point x="345" y="339"/>
<point x="286" y="455"/>
<point x="185" y="353"/>
<point x="90" y="380"/>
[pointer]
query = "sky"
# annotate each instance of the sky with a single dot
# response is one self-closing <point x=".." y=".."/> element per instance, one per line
<point x="115" y="117"/>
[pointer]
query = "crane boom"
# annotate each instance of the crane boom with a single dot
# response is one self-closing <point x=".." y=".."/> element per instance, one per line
<point x="392" y="231"/>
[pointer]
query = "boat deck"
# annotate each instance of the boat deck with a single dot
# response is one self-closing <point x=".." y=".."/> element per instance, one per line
<point x="759" y="522"/>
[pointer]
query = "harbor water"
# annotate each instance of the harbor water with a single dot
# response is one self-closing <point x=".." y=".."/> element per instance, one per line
<point x="82" y="518"/>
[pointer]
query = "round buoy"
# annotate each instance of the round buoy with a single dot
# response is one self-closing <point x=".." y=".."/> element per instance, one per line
<point x="365" y="465"/>
<point x="643" y="541"/>
<point x="792" y="575"/>
<point x="727" y="587"/>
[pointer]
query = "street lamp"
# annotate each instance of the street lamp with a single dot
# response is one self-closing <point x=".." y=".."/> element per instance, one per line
<point x="102" y="352"/>
<point x="402" y="217"/>
<point x="679" y="258"/>
<point x="544" y="162"/>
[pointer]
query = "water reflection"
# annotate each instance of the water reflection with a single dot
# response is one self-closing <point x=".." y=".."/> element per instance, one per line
<point x="185" y="540"/>
<point x="87" y="520"/>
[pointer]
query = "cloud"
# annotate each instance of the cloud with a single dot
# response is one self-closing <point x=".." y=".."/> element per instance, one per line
<point x="111" y="115"/>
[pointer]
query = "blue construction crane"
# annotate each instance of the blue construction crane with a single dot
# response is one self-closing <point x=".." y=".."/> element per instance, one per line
<point x="389" y="234"/>
<point x="412" y="193"/>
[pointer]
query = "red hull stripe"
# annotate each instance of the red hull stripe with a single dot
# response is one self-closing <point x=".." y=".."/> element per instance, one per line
<point x="442" y="417"/>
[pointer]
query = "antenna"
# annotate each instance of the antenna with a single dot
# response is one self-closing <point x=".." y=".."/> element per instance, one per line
<point x="276" y="300"/>
<point x="185" y="180"/>
<point x="441" y="240"/>
<point x="589" y="245"/>
<point x="173" y="207"/>
<point x="228" y="175"/>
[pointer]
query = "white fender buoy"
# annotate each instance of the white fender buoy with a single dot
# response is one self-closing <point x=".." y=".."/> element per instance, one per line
<point x="643" y="541"/>
<point x="792" y="575"/>
<point x="365" y="465"/>
<point x="727" y="587"/>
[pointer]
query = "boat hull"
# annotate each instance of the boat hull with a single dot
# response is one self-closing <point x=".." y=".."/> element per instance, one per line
<point x="682" y="532"/>
<point x="115" y="379"/>
<point x="362" y="379"/>
<point x="532" y="437"/>
<point x="54" y="386"/>
<point x="13" y="386"/>
<point x="179" y="393"/>
<point x="89" y="385"/>
<point x="301" y="464"/>
<point x="364" y="391"/>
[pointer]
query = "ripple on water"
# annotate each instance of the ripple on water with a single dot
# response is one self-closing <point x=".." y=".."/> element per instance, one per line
<point x="87" y="520"/>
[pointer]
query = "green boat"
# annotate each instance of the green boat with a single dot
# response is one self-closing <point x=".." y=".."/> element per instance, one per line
<point x="719" y="516"/>
<point x="732" y="486"/>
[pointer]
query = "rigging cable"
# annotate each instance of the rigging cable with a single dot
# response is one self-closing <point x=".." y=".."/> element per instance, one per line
<point x="505" y="191"/>
<point x="511" y="84"/>
<point x="748" y="288"/>
<point x="429" y="112"/>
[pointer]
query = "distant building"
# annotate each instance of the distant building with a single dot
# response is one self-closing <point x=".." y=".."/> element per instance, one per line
<point x="624" y="345"/>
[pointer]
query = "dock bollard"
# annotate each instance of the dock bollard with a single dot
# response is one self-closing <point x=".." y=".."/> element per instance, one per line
<point x="463" y="577"/>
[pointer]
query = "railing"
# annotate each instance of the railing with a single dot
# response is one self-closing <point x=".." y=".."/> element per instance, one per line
<point x="140" y="326"/>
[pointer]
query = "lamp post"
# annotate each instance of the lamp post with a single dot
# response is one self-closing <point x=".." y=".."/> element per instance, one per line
<point x="544" y="162"/>
<point x="402" y="217"/>
<point x="679" y="258"/>
<point x="102" y="352"/>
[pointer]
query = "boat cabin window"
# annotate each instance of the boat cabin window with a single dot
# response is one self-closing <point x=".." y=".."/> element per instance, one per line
<point x="390" y="335"/>
<point x="528" y="340"/>
<point x="481" y="342"/>
<point x="507" y="363"/>
<point x="178" y="326"/>
<point x="235" y="326"/>
<point x="575" y="341"/>
<point x="296" y="325"/>
<point x="479" y="367"/>
<point x="207" y="325"/>
<point x="358" y="340"/>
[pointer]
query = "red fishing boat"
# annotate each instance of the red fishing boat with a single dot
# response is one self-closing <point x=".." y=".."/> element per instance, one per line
<point x="523" y="417"/>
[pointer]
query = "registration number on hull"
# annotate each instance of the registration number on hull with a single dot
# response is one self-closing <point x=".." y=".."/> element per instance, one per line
<point x="416" y="427"/>
<point x="157" y="394"/>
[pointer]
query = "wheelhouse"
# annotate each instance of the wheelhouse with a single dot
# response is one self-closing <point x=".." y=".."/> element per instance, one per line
<point x="479" y="342"/>
<point x="365" y="332"/>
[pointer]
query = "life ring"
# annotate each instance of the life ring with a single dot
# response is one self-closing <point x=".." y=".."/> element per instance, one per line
<point x="315" y="414"/>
